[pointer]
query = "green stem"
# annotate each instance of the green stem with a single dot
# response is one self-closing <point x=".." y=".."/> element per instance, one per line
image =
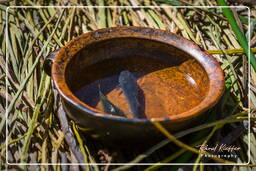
<point x="240" y="36"/>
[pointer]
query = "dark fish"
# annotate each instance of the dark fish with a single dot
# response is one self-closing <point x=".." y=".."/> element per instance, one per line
<point x="130" y="89"/>
<point x="109" y="107"/>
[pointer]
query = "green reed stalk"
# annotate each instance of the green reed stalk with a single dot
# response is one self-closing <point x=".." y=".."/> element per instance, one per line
<point x="240" y="36"/>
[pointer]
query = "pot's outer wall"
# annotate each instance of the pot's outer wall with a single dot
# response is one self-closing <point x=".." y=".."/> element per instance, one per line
<point x="121" y="132"/>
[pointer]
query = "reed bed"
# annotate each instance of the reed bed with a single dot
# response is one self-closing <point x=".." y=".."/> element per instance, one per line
<point x="37" y="134"/>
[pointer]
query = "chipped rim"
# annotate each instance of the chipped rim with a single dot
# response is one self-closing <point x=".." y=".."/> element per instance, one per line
<point x="207" y="61"/>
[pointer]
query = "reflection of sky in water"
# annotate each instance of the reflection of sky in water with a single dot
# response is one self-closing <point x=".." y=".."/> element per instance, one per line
<point x="191" y="81"/>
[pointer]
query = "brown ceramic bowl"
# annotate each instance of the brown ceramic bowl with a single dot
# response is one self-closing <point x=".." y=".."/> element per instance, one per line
<point x="70" y="71"/>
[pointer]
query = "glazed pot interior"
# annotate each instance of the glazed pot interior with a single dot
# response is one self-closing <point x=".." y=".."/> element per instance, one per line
<point x="99" y="64"/>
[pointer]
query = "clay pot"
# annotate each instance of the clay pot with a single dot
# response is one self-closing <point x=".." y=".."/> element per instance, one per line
<point x="181" y="106"/>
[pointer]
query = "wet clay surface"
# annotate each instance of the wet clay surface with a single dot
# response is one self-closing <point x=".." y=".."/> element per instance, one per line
<point x="164" y="90"/>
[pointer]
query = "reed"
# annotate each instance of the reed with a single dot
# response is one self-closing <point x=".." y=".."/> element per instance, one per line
<point x="36" y="133"/>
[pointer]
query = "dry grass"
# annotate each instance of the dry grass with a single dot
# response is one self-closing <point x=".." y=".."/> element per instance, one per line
<point x="35" y="134"/>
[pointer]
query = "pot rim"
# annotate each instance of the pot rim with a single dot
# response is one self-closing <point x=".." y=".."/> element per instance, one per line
<point x="207" y="61"/>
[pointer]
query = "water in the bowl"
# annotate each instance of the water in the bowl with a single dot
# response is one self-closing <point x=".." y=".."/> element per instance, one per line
<point x="163" y="89"/>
